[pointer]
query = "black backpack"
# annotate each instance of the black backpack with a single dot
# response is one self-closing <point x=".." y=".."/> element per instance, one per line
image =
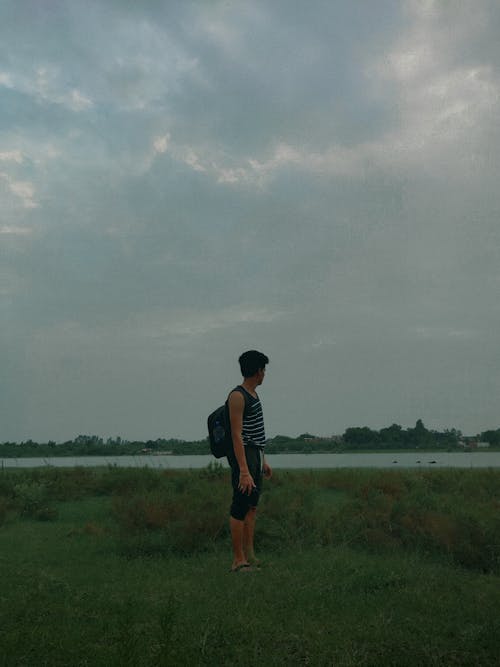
<point x="219" y="429"/>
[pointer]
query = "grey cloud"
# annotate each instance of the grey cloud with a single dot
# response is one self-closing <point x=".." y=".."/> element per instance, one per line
<point x="245" y="175"/>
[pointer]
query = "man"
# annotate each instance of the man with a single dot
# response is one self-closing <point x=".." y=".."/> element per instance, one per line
<point x="247" y="461"/>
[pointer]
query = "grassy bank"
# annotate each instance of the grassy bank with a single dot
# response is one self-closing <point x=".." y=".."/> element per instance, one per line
<point x="129" y="567"/>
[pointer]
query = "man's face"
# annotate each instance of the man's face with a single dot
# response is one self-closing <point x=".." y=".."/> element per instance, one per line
<point x="261" y="375"/>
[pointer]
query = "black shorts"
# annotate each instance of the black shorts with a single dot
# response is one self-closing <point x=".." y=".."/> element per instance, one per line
<point x="242" y="502"/>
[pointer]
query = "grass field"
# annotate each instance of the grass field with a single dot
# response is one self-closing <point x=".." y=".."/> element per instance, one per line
<point x="130" y="567"/>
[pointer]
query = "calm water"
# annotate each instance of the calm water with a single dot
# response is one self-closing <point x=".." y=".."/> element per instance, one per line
<point x="304" y="461"/>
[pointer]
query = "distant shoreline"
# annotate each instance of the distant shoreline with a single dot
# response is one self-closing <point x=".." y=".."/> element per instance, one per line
<point x="197" y="451"/>
<point x="393" y="460"/>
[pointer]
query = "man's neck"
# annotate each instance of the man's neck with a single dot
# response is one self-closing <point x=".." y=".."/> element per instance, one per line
<point x="250" y="385"/>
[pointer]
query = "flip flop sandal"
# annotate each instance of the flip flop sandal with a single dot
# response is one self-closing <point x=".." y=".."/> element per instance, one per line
<point x="244" y="567"/>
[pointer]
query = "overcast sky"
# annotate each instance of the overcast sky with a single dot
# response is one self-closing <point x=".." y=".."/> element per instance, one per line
<point x="182" y="181"/>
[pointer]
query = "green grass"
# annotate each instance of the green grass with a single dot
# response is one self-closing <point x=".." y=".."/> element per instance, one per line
<point x="120" y="567"/>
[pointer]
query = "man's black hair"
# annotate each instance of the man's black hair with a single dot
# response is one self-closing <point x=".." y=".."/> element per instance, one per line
<point x="251" y="362"/>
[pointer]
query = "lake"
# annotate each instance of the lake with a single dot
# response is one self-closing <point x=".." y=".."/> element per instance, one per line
<point x="299" y="461"/>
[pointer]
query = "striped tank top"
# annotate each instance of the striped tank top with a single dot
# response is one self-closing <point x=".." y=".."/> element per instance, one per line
<point x="253" y="432"/>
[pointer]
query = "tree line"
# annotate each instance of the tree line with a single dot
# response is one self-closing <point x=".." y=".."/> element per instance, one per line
<point x="355" y="438"/>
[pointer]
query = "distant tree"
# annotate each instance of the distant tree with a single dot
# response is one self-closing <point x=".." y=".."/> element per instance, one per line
<point x="361" y="436"/>
<point x="281" y="438"/>
<point x="420" y="428"/>
<point x="419" y="436"/>
<point x="87" y="440"/>
<point x="393" y="436"/>
<point x="448" y="438"/>
<point x="493" y="437"/>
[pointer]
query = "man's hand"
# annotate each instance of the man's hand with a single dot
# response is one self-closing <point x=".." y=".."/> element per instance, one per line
<point x="268" y="473"/>
<point x="246" y="485"/>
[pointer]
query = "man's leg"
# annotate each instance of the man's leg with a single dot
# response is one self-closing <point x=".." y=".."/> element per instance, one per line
<point x="248" y="534"/>
<point x="237" y="541"/>
<point x="243" y="509"/>
<point x="237" y="515"/>
<point x="254" y="457"/>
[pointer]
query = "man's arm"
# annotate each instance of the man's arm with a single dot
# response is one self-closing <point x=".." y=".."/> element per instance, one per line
<point x="236" y="408"/>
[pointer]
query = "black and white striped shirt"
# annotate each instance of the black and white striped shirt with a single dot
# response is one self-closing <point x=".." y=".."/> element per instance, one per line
<point x="253" y="432"/>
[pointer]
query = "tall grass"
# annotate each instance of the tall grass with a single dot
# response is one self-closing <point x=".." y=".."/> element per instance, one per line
<point x="453" y="514"/>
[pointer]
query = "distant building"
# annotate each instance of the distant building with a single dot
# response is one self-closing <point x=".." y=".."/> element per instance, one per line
<point x="477" y="444"/>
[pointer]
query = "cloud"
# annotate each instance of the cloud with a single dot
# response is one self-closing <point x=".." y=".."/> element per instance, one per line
<point x="45" y="85"/>
<point x="15" y="231"/>
<point x="446" y="333"/>
<point x="317" y="180"/>
<point x="160" y="144"/>
<point x="184" y="154"/>
<point x="77" y="101"/>
<point x="6" y="80"/>
<point x="27" y="163"/>
<point x="11" y="156"/>
<point x="441" y="100"/>
<point x="256" y="171"/>
<point x="196" y="323"/>
<point x="441" y="104"/>
<point x="22" y="190"/>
